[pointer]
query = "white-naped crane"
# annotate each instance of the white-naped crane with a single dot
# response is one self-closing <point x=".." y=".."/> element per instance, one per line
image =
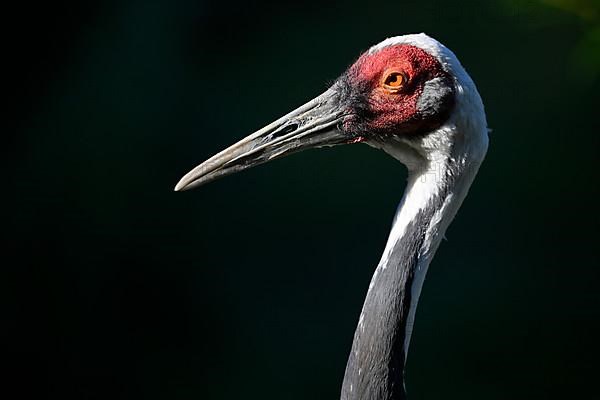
<point x="410" y="97"/>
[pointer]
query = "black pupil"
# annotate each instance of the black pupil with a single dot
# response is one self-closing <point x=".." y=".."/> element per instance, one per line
<point x="393" y="78"/>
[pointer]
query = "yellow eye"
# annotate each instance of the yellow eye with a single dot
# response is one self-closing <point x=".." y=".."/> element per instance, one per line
<point x="394" y="80"/>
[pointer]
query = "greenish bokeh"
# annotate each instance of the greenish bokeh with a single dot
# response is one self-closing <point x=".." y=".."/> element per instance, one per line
<point x="251" y="287"/>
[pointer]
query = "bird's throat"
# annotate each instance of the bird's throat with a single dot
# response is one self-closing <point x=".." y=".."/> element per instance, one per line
<point x="375" y="368"/>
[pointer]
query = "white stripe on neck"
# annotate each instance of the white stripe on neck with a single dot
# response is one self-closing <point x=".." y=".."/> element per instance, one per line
<point x="425" y="182"/>
<point x="445" y="176"/>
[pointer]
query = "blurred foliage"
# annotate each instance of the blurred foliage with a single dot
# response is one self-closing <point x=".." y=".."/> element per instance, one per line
<point x="585" y="54"/>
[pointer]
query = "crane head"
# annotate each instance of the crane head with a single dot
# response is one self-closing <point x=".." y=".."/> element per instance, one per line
<point x="399" y="91"/>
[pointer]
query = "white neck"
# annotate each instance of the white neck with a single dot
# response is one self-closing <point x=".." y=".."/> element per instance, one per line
<point x="438" y="182"/>
<point x="437" y="185"/>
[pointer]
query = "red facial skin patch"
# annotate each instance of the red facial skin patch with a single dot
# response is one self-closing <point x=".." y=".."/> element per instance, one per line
<point x="393" y="111"/>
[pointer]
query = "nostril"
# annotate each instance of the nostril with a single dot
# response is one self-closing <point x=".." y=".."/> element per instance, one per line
<point x="284" y="131"/>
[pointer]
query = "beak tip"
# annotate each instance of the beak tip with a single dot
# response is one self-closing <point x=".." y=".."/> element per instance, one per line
<point x="186" y="183"/>
<point x="180" y="187"/>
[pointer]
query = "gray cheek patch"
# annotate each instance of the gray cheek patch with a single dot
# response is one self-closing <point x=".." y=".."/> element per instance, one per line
<point x="436" y="98"/>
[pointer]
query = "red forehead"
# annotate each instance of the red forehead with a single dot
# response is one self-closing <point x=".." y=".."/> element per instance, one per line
<point x="409" y="59"/>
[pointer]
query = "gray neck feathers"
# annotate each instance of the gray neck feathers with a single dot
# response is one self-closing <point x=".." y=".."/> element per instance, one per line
<point x="375" y="369"/>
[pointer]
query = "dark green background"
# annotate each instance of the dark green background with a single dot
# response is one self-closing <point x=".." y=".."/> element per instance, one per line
<point x="250" y="288"/>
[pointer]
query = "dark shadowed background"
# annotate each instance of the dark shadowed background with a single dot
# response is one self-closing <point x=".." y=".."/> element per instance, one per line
<point x="250" y="288"/>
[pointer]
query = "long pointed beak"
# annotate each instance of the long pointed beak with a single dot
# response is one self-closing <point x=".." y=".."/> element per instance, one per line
<point x="310" y="126"/>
